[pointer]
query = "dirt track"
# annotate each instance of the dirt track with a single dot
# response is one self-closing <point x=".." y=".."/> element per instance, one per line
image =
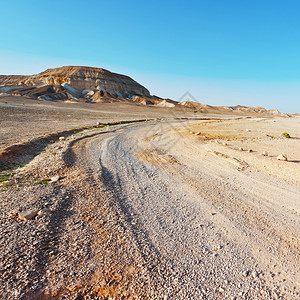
<point x="167" y="214"/>
<point x="205" y="220"/>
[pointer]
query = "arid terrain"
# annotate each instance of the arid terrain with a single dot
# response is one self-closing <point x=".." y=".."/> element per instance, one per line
<point x="124" y="195"/>
<point x="182" y="206"/>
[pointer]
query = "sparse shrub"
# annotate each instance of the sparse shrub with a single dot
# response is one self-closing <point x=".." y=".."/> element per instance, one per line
<point x="42" y="182"/>
<point x="286" y="135"/>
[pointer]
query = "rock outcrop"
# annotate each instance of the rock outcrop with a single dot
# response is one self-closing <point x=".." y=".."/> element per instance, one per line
<point x="82" y="78"/>
<point x="73" y="83"/>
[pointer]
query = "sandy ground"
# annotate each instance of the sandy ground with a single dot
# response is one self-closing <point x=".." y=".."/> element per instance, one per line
<point x="153" y="211"/>
<point x="22" y="119"/>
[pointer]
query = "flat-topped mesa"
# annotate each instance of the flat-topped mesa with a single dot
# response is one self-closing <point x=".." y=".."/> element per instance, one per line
<point x="88" y="78"/>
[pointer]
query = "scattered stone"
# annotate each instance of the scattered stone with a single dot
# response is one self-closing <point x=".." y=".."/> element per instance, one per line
<point x="254" y="274"/>
<point x="54" y="179"/>
<point x="62" y="138"/>
<point x="59" y="147"/>
<point x="221" y="290"/>
<point x="248" y="130"/>
<point x="246" y="273"/>
<point x="198" y="133"/>
<point x="205" y="251"/>
<point x="250" y="150"/>
<point x="213" y="213"/>
<point x="241" y="149"/>
<point x="28" y="215"/>
<point x="191" y="132"/>
<point x="271" y="274"/>
<point x="282" y="157"/>
<point x="13" y="214"/>
<point x="265" y="153"/>
<point x="42" y="211"/>
<point x="224" y="144"/>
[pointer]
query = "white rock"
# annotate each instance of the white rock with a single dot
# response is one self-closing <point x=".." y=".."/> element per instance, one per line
<point x="74" y="92"/>
<point x="62" y="138"/>
<point x="282" y="157"/>
<point x="54" y="178"/>
<point x="28" y="215"/>
<point x="265" y="153"/>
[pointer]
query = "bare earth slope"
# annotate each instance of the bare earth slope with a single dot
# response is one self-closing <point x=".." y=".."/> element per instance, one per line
<point x="152" y="211"/>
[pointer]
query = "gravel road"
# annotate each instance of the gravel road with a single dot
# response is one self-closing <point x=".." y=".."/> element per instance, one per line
<point x="171" y="218"/>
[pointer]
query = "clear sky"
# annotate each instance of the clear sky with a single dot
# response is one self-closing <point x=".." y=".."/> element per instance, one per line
<point x="224" y="52"/>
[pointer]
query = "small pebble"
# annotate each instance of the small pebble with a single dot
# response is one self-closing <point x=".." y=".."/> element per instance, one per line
<point x="282" y="157"/>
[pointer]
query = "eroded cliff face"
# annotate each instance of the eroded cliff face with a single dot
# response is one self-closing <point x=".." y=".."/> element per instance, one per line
<point x="82" y="78"/>
<point x="77" y="82"/>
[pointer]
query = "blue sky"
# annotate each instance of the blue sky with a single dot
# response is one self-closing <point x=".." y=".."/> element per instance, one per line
<point x="223" y="52"/>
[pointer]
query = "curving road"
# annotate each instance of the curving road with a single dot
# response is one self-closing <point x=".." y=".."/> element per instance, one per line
<point x="192" y="220"/>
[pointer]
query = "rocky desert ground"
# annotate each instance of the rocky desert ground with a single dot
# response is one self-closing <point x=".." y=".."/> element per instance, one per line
<point x="121" y="200"/>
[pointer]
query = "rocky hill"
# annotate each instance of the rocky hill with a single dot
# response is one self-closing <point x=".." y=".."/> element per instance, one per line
<point x="75" y="83"/>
